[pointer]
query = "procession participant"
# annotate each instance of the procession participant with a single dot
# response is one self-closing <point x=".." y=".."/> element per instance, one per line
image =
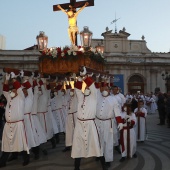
<point x="140" y="127"/>
<point x="51" y="115"/>
<point x="65" y="98"/>
<point x="107" y="110"/>
<point x="39" y="133"/>
<point x="123" y="99"/>
<point x="153" y="105"/>
<point x="42" y="110"/>
<point x="29" y="125"/>
<point x="128" y="97"/>
<point x="147" y="103"/>
<point x="71" y="117"/>
<point x="57" y="107"/>
<point x="120" y="104"/>
<point x="86" y="141"/>
<point x="131" y="120"/>
<point x="14" y="135"/>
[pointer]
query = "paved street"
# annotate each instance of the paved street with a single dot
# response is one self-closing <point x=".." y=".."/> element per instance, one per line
<point x="154" y="154"/>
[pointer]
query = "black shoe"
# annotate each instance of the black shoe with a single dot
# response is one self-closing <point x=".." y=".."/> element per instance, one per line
<point x="135" y="156"/>
<point x="122" y="159"/>
<point x="26" y="162"/>
<point x="117" y="149"/>
<point x="97" y="159"/>
<point x="37" y="157"/>
<point x="108" y="164"/>
<point x="53" y="142"/>
<point x="66" y="149"/>
<point x="45" y="152"/>
<point x="105" y="167"/>
<point x="12" y="157"/>
<point x="2" y="164"/>
<point x="57" y="137"/>
<point x="57" y="140"/>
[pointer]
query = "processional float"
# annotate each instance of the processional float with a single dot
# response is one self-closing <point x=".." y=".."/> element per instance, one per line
<point x="63" y="62"/>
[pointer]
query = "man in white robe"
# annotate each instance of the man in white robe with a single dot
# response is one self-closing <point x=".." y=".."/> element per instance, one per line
<point x="107" y="110"/>
<point x="14" y="134"/>
<point x="43" y="114"/>
<point x="86" y="142"/>
<point x="71" y="118"/>
<point x="140" y="127"/>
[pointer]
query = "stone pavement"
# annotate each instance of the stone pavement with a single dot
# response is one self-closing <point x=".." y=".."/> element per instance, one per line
<point x="154" y="154"/>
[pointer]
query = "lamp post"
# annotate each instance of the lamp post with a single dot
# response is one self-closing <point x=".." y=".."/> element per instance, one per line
<point x="86" y="36"/>
<point x="166" y="77"/>
<point x="42" y="41"/>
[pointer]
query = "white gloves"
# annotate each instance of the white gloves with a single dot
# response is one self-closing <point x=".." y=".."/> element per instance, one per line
<point x="13" y="75"/>
<point x="38" y="76"/>
<point x="103" y="78"/>
<point x="127" y="117"/>
<point x="107" y="79"/>
<point x="79" y="79"/>
<point x="129" y="120"/>
<point x="97" y="77"/>
<point x="22" y="73"/>
<point x="43" y="80"/>
<point x="120" y="126"/>
<point x="90" y="75"/>
<point x="84" y="72"/>
<point x="25" y="79"/>
<point x="66" y="81"/>
<point x="32" y="76"/>
<point x="7" y="76"/>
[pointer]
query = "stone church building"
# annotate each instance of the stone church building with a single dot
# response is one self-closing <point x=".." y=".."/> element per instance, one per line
<point x="134" y="66"/>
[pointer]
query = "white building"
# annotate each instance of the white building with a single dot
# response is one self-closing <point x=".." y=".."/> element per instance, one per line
<point x="2" y="42"/>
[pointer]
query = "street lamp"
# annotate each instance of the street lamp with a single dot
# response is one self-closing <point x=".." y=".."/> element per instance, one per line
<point x="42" y="41"/>
<point x="86" y="36"/>
<point x="166" y="77"/>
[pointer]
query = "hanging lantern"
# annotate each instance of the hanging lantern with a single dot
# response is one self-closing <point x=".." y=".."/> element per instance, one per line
<point x="100" y="48"/>
<point x="42" y="41"/>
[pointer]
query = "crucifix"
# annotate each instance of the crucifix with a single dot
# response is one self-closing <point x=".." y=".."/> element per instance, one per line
<point x="70" y="10"/>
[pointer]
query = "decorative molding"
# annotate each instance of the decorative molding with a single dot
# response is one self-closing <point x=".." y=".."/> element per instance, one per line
<point x="135" y="60"/>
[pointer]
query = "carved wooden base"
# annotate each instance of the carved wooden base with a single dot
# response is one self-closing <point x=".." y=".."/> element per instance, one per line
<point x="50" y="66"/>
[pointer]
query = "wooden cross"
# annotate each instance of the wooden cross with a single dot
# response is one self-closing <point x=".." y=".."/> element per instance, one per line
<point x="75" y="4"/>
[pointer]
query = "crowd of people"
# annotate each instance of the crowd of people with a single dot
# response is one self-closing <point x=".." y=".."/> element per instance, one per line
<point x="95" y="121"/>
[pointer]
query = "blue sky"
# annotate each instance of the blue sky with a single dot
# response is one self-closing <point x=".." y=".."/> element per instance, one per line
<point x="21" y="21"/>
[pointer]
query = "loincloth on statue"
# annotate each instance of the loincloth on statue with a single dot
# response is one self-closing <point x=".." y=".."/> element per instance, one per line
<point x="73" y="29"/>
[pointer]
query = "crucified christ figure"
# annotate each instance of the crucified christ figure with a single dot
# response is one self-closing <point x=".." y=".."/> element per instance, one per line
<point x="72" y="20"/>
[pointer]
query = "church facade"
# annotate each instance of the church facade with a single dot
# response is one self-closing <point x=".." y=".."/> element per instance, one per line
<point x="134" y="66"/>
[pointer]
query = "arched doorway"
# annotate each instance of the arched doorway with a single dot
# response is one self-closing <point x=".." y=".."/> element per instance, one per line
<point x="135" y="84"/>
